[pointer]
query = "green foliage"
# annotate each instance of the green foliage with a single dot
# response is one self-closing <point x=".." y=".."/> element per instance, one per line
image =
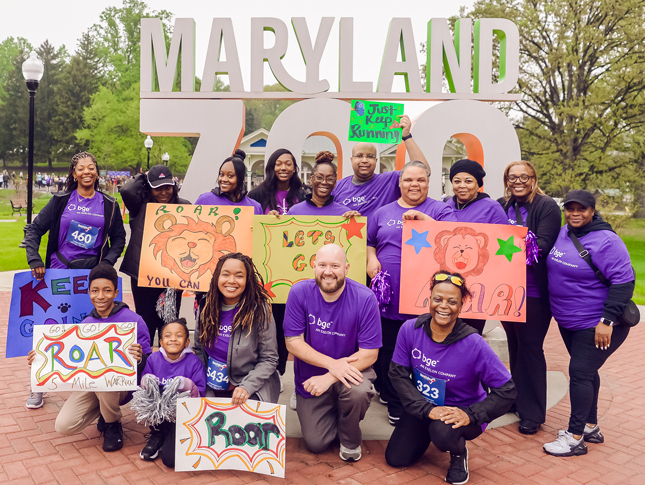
<point x="261" y="113"/>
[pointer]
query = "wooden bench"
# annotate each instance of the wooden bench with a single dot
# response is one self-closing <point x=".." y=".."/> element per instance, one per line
<point x="17" y="205"/>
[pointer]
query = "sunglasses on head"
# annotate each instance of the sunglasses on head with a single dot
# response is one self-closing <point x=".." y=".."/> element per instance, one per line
<point x="455" y="280"/>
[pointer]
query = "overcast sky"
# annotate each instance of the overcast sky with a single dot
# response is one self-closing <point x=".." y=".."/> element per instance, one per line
<point x="63" y="21"/>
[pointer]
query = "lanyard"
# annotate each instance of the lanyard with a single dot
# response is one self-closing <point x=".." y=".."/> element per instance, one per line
<point x="518" y="215"/>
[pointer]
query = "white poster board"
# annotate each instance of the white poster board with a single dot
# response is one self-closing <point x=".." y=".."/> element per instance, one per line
<point x="84" y="357"/>
<point x="213" y="434"/>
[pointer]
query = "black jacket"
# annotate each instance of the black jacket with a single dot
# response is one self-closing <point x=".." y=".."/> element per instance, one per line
<point x="544" y="219"/>
<point x="49" y="220"/>
<point x="496" y="404"/>
<point x="136" y="195"/>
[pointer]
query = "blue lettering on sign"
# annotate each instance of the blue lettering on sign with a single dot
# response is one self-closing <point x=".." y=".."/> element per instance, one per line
<point x="27" y="328"/>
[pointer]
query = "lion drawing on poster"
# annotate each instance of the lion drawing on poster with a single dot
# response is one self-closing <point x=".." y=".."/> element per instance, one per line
<point x="193" y="246"/>
<point x="462" y="250"/>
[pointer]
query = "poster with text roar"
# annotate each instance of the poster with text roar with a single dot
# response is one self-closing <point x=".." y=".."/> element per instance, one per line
<point x="491" y="257"/>
<point x="284" y="250"/>
<point x="182" y="243"/>
<point x="62" y="296"/>
<point x="84" y="357"/>
<point x="212" y="434"/>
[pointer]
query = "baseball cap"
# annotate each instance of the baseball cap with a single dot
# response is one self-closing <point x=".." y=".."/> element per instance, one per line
<point x="160" y="175"/>
<point x="582" y="197"/>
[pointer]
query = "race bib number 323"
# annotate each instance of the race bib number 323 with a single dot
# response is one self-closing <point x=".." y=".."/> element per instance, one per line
<point x="432" y="389"/>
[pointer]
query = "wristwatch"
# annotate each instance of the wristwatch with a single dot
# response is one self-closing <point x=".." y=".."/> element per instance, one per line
<point x="606" y="321"/>
<point x="406" y="137"/>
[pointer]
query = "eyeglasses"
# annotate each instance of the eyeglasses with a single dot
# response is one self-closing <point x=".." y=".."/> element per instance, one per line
<point x="522" y="178"/>
<point x="369" y="156"/>
<point x="320" y="179"/>
<point x="455" y="280"/>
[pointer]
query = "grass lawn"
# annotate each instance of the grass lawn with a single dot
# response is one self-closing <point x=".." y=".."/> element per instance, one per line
<point x="634" y="236"/>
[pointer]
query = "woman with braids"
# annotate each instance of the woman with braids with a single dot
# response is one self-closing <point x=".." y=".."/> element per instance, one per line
<point x="235" y="334"/>
<point x="282" y="187"/>
<point x="85" y="228"/>
<point x="231" y="189"/>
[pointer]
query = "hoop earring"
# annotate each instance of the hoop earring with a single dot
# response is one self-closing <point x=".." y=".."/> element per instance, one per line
<point x="532" y="187"/>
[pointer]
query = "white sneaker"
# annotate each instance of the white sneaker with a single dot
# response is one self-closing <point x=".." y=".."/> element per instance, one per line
<point x="293" y="402"/>
<point x="566" y="445"/>
<point x="350" y="455"/>
<point x="281" y="384"/>
<point x="35" y="400"/>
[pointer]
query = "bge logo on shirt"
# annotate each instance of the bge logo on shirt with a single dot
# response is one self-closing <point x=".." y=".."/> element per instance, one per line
<point x="319" y="322"/>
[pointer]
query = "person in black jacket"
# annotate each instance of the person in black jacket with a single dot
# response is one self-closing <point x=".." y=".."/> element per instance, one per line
<point x="157" y="186"/>
<point x="527" y="205"/>
<point x="437" y="369"/>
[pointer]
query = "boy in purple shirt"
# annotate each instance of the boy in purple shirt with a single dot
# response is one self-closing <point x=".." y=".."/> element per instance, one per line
<point x="332" y="327"/>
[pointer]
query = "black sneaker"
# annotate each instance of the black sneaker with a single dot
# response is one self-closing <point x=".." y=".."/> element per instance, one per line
<point x="113" y="437"/>
<point x="100" y="424"/>
<point x="458" y="471"/>
<point x="593" y="435"/>
<point x="155" y="440"/>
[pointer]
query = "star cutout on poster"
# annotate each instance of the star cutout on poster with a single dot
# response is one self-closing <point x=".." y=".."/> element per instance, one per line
<point x="419" y="241"/>
<point x="353" y="228"/>
<point x="507" y="248"/>
<point x="268" y="286"/>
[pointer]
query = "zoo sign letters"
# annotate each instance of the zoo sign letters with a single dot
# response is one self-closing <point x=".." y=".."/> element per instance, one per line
<point x="491" y="257"/>
<point x="182" y="243"/>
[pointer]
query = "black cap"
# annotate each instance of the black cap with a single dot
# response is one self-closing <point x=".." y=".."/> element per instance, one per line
<point x="468" y="166"/>
<point x="160" y="175"/>
<point x="582" y="197"/>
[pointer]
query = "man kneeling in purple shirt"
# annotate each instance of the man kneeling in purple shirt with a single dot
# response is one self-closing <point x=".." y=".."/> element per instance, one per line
<point x="332" y="327"/>
<point x="83" y="407"/>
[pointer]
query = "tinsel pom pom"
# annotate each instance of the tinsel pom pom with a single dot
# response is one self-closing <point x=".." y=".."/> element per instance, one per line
<point x="145" y="402"/>
<point x="167" y="305"/>
<point x="382" y="289"/>
<point x="532" y="250"/>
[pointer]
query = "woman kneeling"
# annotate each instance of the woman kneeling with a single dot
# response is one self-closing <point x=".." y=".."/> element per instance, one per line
<point x="444" y="402"/>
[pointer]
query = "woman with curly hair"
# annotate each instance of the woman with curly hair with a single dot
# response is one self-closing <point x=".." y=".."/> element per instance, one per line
<point x="235" y="334"/>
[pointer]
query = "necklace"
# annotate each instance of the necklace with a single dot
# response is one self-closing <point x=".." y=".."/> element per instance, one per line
<point x="438" y="333"/>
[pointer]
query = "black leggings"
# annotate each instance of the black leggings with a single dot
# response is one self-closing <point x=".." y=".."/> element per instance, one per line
<point x="145" y="304"/>
<point x="584" y="383"/>
<point x="390" y="329"/>
<point x="283" y="353"/>
<point x="168" y="447"/>
<point x="412" y="436"/>
<point x="526" y="355"/>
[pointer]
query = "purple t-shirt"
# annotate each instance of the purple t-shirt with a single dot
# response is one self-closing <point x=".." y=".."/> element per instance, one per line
<point x="190" y="366"/>
<point x="337" y="329"/>
<point x="126" y="315"/>
<point x="81" y="229"/>
<point x="532" y="288"/>
<point x="210" y="198"/>
<point x="218" y="350"/>
<point x="576" y="295"/>
<point x="281" y="202"/>
<point x="463" y="364"/>
<point x="367" y="198"/>
<point x="306" y="208"/>
<point x="385" y="232"/>
<point x="487" y="211"/>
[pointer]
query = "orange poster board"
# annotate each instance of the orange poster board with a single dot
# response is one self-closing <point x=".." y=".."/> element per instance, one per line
<point x="491" y="257"/>
<point x="182" y="243"/>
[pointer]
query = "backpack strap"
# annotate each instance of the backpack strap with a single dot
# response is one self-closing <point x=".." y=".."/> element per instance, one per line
<point x="584" y="254"/>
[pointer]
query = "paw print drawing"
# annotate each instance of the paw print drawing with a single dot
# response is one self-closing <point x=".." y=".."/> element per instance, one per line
<point x="63" y="307"/>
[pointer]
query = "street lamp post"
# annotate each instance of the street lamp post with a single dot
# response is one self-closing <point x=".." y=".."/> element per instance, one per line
<point x="148" y="144"/>
<point x="165" y="157"/>
<point x="32" y="70"/>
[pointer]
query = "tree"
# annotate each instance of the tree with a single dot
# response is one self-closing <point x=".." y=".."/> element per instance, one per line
<point x="261" y="113"/>
<point x="582" y="77"/>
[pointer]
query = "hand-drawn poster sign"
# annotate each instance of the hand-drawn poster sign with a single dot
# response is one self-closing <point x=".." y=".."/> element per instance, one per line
<point x="212" y="434"/>
<point x="372" y="122"/>
<point x="284" y="250"/>
<point x="490" y="256"/>
<point x="84" y="357"/>
<point x="62" y="297"/>
<point x="182" y="243"/>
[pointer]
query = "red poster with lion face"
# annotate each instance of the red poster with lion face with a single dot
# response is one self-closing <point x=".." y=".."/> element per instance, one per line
<point x="491" y="257"/>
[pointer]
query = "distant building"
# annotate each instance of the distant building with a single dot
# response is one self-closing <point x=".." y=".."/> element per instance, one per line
<point x="254" y="145"/>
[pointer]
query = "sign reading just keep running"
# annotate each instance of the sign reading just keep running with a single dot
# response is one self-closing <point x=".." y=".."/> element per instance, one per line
<point x="370" y="121"/>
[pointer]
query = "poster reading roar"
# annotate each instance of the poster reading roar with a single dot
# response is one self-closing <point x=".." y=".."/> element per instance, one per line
<point x="212" y="434"/>
<point x="490" y="256"/>
<point x="182" y="243"/>
<point x="83" y="357"/>
<point x="284" y="250"/>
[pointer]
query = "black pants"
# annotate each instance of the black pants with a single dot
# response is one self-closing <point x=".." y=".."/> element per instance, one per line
<point x="283" y="353"/>
<point x="528" y="364"/>
<point x="145" y="303"/>
<point x="412" y="436"/>
<point x="168" y="448"/>
<point x="584" y="382"/>
<point x="390" y="330"/>
<point x="476" y="324"/>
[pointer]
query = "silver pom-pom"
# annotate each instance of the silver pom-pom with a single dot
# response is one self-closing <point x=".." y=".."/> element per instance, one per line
<point x="168" y="402"/>
<point x="145" y="402"/>
<point x="167" y="305"/>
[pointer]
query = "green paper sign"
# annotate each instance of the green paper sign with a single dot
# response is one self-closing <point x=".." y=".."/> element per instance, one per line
<point x="371" y="122"/>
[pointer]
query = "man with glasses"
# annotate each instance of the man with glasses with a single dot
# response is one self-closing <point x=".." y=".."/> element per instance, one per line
<point x="367" y="191"/>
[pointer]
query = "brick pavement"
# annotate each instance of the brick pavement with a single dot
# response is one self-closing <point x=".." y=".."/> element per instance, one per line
<point x="31" y="452"/>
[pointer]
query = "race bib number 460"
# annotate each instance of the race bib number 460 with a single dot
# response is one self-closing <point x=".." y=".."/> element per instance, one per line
<point x="432" y="389"/>
<point x="82" y="235"/>
<point x="217" y="375"/>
